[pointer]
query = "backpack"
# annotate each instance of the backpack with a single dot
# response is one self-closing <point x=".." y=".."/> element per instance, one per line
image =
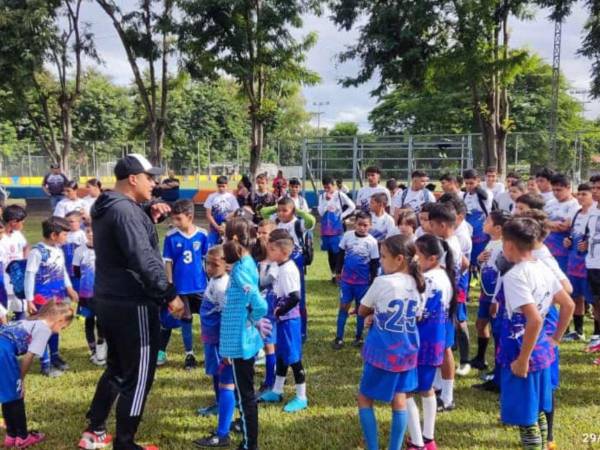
<point x="16" y="272"/>
<point x="405" y="194"/>
<point x="481" y="198"/>
<point x="305" y="238"/>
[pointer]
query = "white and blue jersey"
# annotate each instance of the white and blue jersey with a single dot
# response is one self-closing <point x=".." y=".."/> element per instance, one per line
<point x="333" y="211"/>
<point x="359" y="251"/>
<point x="186" y="253"/>
<point x="382" y="226"/>
<point x="415" y="199"/>
<point x="393" y="340"/>
<point x="477" y="211"/>
<point x="289" y="327"/>
<point x="47" y="263"/>
<point x="560" y="212"/>
<point x="74" y="239"/>
<point x="363" y="197"/>
<point x="85" y="259"/>
<point x="220" y="207"/>
<point x="211" y="308"/>
<point x="489" y="271"/>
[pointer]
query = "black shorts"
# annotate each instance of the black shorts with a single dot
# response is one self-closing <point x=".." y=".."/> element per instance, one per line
<point x="594" y="280"/>
<point x="191" y="304"/>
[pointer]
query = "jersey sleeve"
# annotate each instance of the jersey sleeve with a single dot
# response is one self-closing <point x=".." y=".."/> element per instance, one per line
<point x="77" y="256"/>
<point x="39" y="339"/>
<point x="289" y="281"/>
<point x="351" y="207"/>
<point x="167" y="249"/>
<point x="343" y="241"/>
<point x="373" y="294"/>
<point x="34" y="259"/>
<point x="208" y="204"/>
<point x="59" y="211"/>
<point x="233" y="203"/>
<point x="373" y="249"/>
<point x="516" y="290"/>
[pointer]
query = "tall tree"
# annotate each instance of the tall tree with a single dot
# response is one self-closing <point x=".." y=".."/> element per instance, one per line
<point x="144" y="34"/>
<point x="251" y="41"/>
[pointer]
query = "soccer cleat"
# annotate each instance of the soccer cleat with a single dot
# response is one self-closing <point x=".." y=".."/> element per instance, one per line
<point x="441" y="407"/>
<point x="97" y="361"/>
<point x="101" y="352"/>
<point x="411" y="446"/>
<point x="162" y="358"/>
<point x="236" y="426"/>
<point x="91" y="440"/>
<point x="430" y="445"/>
<point x="488" y="386"/>
<point x="212" y="410"/>
<point x="573" y="336"/>
<point x="9" y="441"/>
<point x="59" y="363"/>
<point x="295" y="405"/>
<point x="213" y="441"/>
<point x="463" y="370"/>
<point x="270" y="397"/>
<point x="51" y="372"/>
<point x="478" y="364"/>
<point x="357" y="343"/>
<point x="190" y="362"/>
<point x="337" y="344"/>
<point x="33" y="438"/>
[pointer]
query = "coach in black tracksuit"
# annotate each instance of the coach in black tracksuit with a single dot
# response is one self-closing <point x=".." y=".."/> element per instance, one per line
<point x="130" y="286"/>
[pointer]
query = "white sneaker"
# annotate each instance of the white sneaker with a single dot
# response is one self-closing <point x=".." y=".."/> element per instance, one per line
<point x="101" y="351"/>
<point x="463" y="370"/>
<point x="97" y="361"/>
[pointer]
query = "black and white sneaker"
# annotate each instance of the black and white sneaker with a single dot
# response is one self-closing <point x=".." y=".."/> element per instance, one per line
<point x="213" y="441"/>
<point x="59" y="363"/>
<point x="337" y="344"/>
<point x="190" y="362"/>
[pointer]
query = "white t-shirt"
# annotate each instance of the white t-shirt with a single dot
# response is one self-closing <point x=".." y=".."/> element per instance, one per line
<point x="216" y="291"/>
<point x="547" y="196"/>
<point x="528" y="283"/>
<point x="335" y="204"/>
<point x="561" y="211"/>
<point x="89" y="202"/>
<point x="473" y="204"/>
<point x="592" y="259"/>
<point x="464" y="232"/>
<point x="505" y="203"/>
<point x="287" y="280"/>
<point x="455" y="249"/>
<point x="40" y="333"/>
<point x="65" y="206"/>
<point x="415" y="199"/>
<point x="386" y="288"/>
<point x="363" y="197"/>
<point x="76" y="237"/>
<point x="396" y="201"/>
<point x="300" y="203"/>
<point x="496" y="189"/>
<point x="290" y="227"/>
<point x="84" y="256"/>
<point x="437" y="280"/>
<point x="543" y="255"/>
<point x="224" y="204"/>
<point x="13" y="246"/>
<point x="382" y="226"/>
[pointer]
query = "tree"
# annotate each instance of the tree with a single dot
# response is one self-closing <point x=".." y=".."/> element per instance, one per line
<point x="36" y="35"/>
<point x="251" y="41"/>
<point x="403" y="41"/>
<point x="344" y="129"/>
<point x="144" y="34"/>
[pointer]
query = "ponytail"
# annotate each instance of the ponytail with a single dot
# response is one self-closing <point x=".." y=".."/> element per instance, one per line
<point x="402" y="245"/>
<point x="415" y="272"/>
<point x="451" y="272"/>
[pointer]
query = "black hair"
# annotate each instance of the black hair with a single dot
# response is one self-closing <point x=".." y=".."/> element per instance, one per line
<point x="409" y="217"/>
<point x="380" y="197"/>
<point x="524" y="232"/>
<point x="431" y="245"/>
<point x="246" y="181"/>
<point x="281" y="238"/>
<point x="514" y="175"/>
<point x="402" y="245"/>
<point x="595" y="179"/>
<point x="183" y="206"/>
<point x="443" y="213"/>
<point x="541" y="218"/>
<point x="294" y="182"/>
<point x="391" y="184"/>
<point x="14" y="212"/>
<point x="262" y="176"/>
<point x="259" y="250"/>
<point x="327" y="179"/>
<point x="222" y="180"/>
<point x="490" y="169"/>
<point x="470" y="174"/>
<point x="286" y="201"/>
<point x="499" y="217"/>
<point x="545" y="172"/>
<point x="362" y="215"/>
<point x="426" y="207"/>
<point x="457" y="203"/>
<point x="240" y="235"/>
<point x="560" y="179"/>
<point x="534" y="201"/>
<point x="71" y="184"/>
<point x="94" y="182"/>
<point x="54" y="224"/>
<point x="373" y="169"/>
<point x="418" y="174"/>
<point x="584" y="187"/>
<point x="430" y="187"/>
<point x="75" y="212"/>
<point x="449" y="177"/>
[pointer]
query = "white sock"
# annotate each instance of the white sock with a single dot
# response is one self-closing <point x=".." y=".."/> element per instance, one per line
<point x="414" y="423"/>
<point x="429" y="413"/>
<point x="437" y="380"/>
<point x="301" y="391"/>
<point x="189" y="353"/>
<point x="447" y="391"/>
<point x="278" y="386"/>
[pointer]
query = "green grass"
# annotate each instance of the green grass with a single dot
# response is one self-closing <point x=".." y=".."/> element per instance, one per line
<point x="58" y="406"/>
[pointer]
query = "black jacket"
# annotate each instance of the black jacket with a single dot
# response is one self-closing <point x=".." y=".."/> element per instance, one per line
<point x="128" y="261"/>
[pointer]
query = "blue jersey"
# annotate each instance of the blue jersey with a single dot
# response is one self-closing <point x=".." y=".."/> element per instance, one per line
<point x="360" y="250"/>
<point x="51" y="278"/>
<point x="393" y="341"/>
<point x="211" y="307"/>
<point x="186" y="254"/>
<point x="85" y="259"/>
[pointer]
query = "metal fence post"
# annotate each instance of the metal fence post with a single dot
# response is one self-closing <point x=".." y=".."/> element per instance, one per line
<point x="198" y="166"/>
<point x="470" y="151"/>
<point x="410" y="163"/>
<point x="29" y="160"/>
<point x="354" y="165"/>
<point x="304" y="144"/>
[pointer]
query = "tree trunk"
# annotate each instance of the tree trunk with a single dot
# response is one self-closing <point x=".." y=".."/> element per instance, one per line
<point x="256" y="145"/>
<point x="154" y="143"/>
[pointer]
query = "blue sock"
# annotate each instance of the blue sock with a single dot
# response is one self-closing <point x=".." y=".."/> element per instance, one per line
<point x="360" y="326"/>
<point x="226" y="408"/>
<point x="45" y="358"/>
<point x="368" y="424"/>
<point x="53" y="344"/>
<point x="270" y="370"/>
<point x="20" y="315"/>
<point x="216" y="387"/>
<point x="399" y="421"/>
<point x="341" y="323"/>
<point x="186" y="334"/>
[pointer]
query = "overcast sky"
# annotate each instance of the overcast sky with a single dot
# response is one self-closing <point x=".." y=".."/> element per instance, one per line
<point x="354" y="104"/>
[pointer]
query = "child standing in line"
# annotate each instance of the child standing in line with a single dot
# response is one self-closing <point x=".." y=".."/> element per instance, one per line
<point x="479" y="203"/>
<point x="71" y="202"/>
<point x="294" y="193"/>
<point x="358" y="263"/>
<point x="382" y="224"/>
<point x="440" y="301"/>
<point x="26" y="338"/>
<point x="364" y="194"/>
<point x="526" y="351"/>
<point x="286" y="289"/>
<point x="184" y="249"/>
<point x="334" y="208"/>
<point x="84" y="269"/>
<point x="75" y="238"/>
<point x="46" y="279"/>
<point x="390" y="352"/>
<point x="219" y="205"/>
<point x="15" y="248"/>
<point x="407" y="223"/>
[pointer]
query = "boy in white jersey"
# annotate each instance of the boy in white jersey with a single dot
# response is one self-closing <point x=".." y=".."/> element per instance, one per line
<point x="363" y="197"/>
<point x="219" y="206"/>
<point x="592" y="260"/>
<point x="491" y="182"/>
<point x="14" y="247"/>
<point x="395" y="194"/>
<point x="71" y="202"/>
<point x="382" y="224"/>
<point x="479" y="201"/>
<point x="417" y="194"/>
<point x="543" y="179"/>
<point x="294" y="193"/>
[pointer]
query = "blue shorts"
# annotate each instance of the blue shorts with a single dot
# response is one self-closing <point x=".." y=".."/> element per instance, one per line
<point x="555" y="370"/>
<point x="426" y="377"/>
<point x="167" y="320"/>
<point x="382" y="385"/>
<point x="226" y="374"/>
<point x="563" y="262"/>
<point x="10" y="381"/>
<point x="272" y="338"/>
<point x="478" y="247"/>
<point x="289" y="341"/>
<point x="523" y="399"/>
<point x="461" y="312"/>
<point x="213" y="238"/>
<point x="212" y="360"/>
<point x="483" y="312"/>
<point x="581" y="288"/>
<point x="450" y="334"/>
<point x="350" y="292"/>
<point x="331" y="243"/>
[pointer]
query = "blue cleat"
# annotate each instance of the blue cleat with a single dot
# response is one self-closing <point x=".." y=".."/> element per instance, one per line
<point x="295" y="405"/>
<point x="212" y="410"/>
<point x="270" y="397"/>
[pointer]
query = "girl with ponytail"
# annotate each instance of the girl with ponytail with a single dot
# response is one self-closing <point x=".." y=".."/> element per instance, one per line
<point x="435" y="320"/>
<point x="392" y="345"/>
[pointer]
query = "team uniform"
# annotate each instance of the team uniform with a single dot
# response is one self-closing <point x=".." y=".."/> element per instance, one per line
<point x="505" y="202"/>
<point x="489" y="279"/>
<point x="3" y="292"/>
<point x="65" y="206"/>
<point x="382" y="226"/>
<point x="267" y="272"/>
<point x="220" y="206"/>
<point x="289" y="337"/>
<point x="478" y="209"/>
<point x="415" y="199"/>
<point x="363" y="197"/>
<point x="84" y="269"/>
<point x="547" y="196"/>
<point x="396" y="202"/>
<point x="457" y="254"/>
<point x="333" y="212"/>
<point x="592" y="259"/>
<point x="496" y="189"/>
<point x="559" y="212"/>
<point x="576" y="270"/>
<point x="75" y="239"/>
<point x="522" y="399"/>
<point x="300" y="203"/>
<point x="12" y="247"/>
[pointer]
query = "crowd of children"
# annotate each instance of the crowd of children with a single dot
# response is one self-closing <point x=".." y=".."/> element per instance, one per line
<point x="405" y="268"/>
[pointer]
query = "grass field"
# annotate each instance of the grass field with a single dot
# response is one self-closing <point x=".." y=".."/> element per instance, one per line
<point x="58" y="406"/>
